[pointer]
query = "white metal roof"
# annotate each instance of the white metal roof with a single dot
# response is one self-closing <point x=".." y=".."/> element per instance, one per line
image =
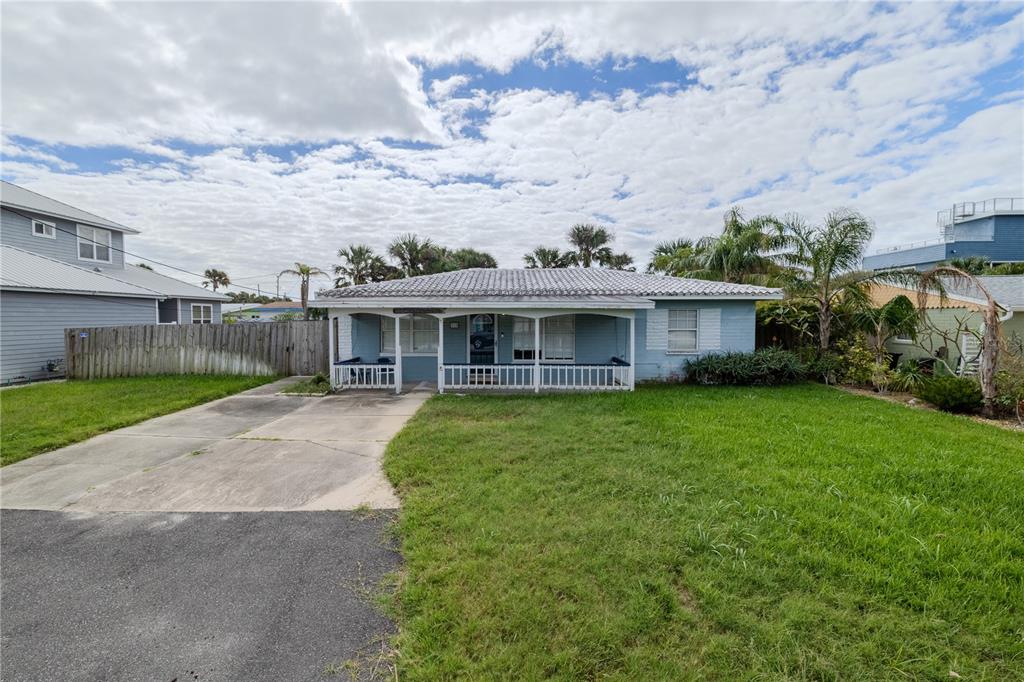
<point x="168" y="286"/>
<point x="15" y="197"/>
<point x="562" y="283"/>
<point x="26" y="271"/>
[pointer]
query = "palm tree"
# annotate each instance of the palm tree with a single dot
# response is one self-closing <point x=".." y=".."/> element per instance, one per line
<point x="591" y="242"/>
<point x="972" y="265"/>
<point x="304" y="272"/>
<point x="543" y="257"/>
<point x="898" y="317"/>
<point x="669" y="258"/>
<point x="825" y="264"/>
<point x="935" y="280"/>
<point x="361" y="265"/>
<point x="215" y="278"/>
<point x="744" y="253"/>
<point x="617" y="261"/>
<point x="412" y="253"/>
<point x="463" y="259"/>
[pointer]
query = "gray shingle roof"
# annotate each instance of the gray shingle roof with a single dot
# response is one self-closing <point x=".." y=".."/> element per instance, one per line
<point x="32" y="272"/>
<point x="561" y="282"/>
<point x="16" y="197"/>
<point x="1007" y="290"/>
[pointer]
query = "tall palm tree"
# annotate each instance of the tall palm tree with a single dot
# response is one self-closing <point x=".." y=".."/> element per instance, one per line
<point x="463" y="259"/>
<point x="361" y="265"/>
<point x="412" y="253"/>
<point x="215" y="278"/>
<point x="617" y="261"/>
<point x="305" y="273"/>
<point x="825" y="264"/>
<point x="672" y="257"/>
<point x="591" y="243"/>
<point x="897" y="317"/>
<point x="744" y="253"/>
<point x="543" y="257"/>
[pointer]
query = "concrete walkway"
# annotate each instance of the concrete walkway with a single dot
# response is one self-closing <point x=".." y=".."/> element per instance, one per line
<point x="255" y="451"/>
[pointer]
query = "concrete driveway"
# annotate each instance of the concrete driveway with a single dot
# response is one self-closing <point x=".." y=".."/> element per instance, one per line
<point x="136" y="555"/>
<point x="255" y="451"/>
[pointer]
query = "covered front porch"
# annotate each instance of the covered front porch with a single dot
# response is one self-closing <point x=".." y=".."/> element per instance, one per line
<point x="485" y="349"/>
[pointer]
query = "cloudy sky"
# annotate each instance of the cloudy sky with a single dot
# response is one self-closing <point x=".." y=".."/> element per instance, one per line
<point x="248" y="136"/>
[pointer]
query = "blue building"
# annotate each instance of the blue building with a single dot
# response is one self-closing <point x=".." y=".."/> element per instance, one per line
<point x="992" y="229"/>
<point x="584" y="329"/>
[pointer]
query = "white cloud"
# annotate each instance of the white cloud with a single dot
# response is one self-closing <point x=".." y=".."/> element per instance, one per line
<point x="799" y="108"/>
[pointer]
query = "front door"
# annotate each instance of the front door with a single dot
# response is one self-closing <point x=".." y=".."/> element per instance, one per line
<point x="481" y="339"/>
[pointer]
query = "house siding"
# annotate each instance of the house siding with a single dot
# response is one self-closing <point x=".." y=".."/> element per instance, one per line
<point x="723" y="326"/>
<point x="16" y="230"/>
<point x="32" y="326"/>
<point x="998" y="238"/>
<point x="185" y="310"/>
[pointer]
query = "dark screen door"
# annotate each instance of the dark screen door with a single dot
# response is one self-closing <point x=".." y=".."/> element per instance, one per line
<point x="481" y="340"/>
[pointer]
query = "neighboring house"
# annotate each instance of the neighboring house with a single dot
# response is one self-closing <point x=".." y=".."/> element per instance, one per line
<point x="261" y="312"/>
<point x="951" y="325"/>
<point x="573" y="328"/>
<point x="991" y="229"/>
<point x="63" y="267"/>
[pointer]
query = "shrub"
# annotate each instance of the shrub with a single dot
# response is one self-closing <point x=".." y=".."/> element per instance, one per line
<point x="951" y="394"/>
<point x="764" y="367"/>
<point x="908" y="377"/>
<point x="827" y="368"/>
<point x="1009" y="400"/>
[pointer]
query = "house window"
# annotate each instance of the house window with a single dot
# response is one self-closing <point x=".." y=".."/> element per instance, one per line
<point x="43" y="229"/>
<point x="419" y="335"/>
<point x="682" y="331"/>
<point x="557" y="339"/>
<point x="202" y="313"/>
<point x="93" y="244"/>
<point x="903" y="338"/>
<point x="522" y="338"/>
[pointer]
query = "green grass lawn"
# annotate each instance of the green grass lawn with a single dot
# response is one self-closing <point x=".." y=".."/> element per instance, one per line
<point x="38" y="418"/>
<point x="707" y="533"/>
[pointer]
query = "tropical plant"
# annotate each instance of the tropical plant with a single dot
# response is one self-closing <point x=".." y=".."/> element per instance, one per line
<point x="825" y="261"/>
<point x="304" y="272"/>
<point x="745" y="251"/>
<point x="543" y="257"/>
<point x="591" y="244"/>
<point x="361" y="265"/>
<point x="936" y="279"/>
<point x="974" y="265"/>
<point x="672" y="257"/>
<point x="215" y="278"/>
<point x="764" y="367"/>
<point x="908" y="377"/>
<point x="412" y="253"/>
<point x="464" y="259"/>
<point x="951" y="394"/>
<point x="897" y="317"/>
<point x="618" y="261"/>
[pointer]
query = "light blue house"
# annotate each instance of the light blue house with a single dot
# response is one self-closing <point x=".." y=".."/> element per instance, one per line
<point x="572" y="328"/>
<point x="992" y="229"/>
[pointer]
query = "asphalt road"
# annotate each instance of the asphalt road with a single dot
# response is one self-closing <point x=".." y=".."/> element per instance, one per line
<point x="190" y="596"/>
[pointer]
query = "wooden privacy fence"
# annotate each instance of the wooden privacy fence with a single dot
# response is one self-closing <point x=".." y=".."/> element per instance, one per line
<point x="257" y="348"/>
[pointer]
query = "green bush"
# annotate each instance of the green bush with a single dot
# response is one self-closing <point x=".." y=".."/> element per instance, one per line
<point x="908" y="377"/>
<point x="951" y="394"/>
<point x="826" y="368"/>
<point x="764" y="367"/>
<point x="1009" y="400"/>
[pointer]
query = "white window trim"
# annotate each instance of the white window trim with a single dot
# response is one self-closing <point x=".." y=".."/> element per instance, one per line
<point x="91" y="240"/>
<point x="669" y="330"/>
<point x="52" y="226"/>
<point x="532" y="322"/>
<point x="201" y="306"/>
<point x="543" y="336"/>
<point x="906" y="341"/>
<point x="389" y="323"/>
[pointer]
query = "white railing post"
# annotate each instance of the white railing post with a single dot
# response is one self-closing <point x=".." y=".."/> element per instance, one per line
<point x="332" y="347"/>
<point x="536" y="355"/>
<point x="398" y="354"/>
<point x="632" y="352"/>
<point x="440" y="355"/>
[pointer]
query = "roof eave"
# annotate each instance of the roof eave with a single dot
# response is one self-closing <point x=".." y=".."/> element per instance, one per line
<point x="102" y="224"/>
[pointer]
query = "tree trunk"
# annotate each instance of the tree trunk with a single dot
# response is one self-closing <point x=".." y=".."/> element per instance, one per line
<point x="824" y="326"/>
<point x="304" y="288"/>
<point x="988" y="360"/>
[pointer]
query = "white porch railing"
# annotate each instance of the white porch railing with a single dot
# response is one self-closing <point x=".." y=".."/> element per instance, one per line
<point x="521" y="377"/>
<point x="358" y="375"/>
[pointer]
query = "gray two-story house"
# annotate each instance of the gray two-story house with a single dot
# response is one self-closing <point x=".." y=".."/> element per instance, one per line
<point x="64" y="267"/>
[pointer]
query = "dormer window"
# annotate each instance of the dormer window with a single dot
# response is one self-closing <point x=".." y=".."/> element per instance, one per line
<point x="93" y="244"/>
<point x="41" y="228"/>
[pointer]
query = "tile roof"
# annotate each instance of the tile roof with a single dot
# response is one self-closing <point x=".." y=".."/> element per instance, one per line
<point x="561" y="282"/>
<point x="30" y="271"/>
<point x="15" y="197"/>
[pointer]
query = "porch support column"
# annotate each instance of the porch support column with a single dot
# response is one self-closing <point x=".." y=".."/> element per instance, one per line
<point x="536" y="355"/>
<point x="440" y="355"/>
<point x="332" y="348"/>
<point x="398" y="354"/>
<point x="632" y="351"/>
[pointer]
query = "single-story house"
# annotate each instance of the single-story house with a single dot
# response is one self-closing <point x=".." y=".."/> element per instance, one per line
<point x="533" y="329"/>
<point x="960" y="310"/>
<point x="64" y="267"/>
<point x="261" y="312"/>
